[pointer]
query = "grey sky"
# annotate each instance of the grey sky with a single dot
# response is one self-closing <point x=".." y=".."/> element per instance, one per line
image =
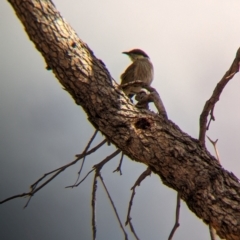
<point x="191" y="45"/>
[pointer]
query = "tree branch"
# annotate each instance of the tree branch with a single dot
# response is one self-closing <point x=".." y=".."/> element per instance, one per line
<point x="33" y="187"/>
<point x="118" y="169"/>
<point x="113" y="205"/>
<point x="85" y="150"/>
<point x="210" y="103"/>
<point x="211" y="192"/>
<point x="146" y="173"/>
<point x="176" y="225"/>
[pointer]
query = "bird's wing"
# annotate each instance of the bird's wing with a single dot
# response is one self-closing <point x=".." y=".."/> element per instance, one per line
<point x="128" y="75"/>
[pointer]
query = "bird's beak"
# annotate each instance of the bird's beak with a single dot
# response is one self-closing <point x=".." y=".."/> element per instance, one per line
<point x="125" y="53"/>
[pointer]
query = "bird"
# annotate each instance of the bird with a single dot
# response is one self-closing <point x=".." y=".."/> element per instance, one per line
<point x="140" y="69"/>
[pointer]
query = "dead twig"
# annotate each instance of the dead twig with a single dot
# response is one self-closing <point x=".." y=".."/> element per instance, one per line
<point x="210" y="103"/>
<point x="212" y="232"/>
<point x="85" y="150"/>
<point x="105" y="160"/>
<point x="177" y="224"/>
<point x="94" y="190"/>
<point x="214" y="143"/>
<point x="133" y="230"/>
<point x="146" y="173"/>
<point x="118" y="169"/>
<point x="97" y="169"/>
<point x="97" y="166"/>
<point x="33" y="187"/>
<point x="72" y="186"/>
<point x="113" y="205"/>
<point x="211" y="229"/>
<point x="209" y="110"/>
<point x="92" y="150"/>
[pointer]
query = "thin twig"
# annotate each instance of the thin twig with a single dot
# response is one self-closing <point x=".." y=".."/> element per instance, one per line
<point x="118" y="169"/>
<point x="97" y="169"/>
<point x="210" y="103"/>
<point x="114" y="208"/>
<point x="212" y="118"/>
<point x="92" y="150"/>
<point x="211" y="229"/>
<point x="94" y="190"/>
<point x="105" y="160"/>
<point x="146" y="173"/>
<point x="85" y="150"/>
<point x="177" y="214"/>
<point x="130" y="207"/>
<point x="75" y="185"/>
<point x="33" y="187"/>
<point x="97" y="166"/>
<point x="214" y="143"/>
<point x="212" y="232"/>
<point x="133" y="231"/>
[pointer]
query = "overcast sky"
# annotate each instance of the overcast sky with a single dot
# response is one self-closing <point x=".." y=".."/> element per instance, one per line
<point x="191" y="44"/>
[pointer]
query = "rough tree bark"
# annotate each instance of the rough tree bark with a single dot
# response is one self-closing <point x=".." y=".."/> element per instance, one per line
<point x="211" y="192"/>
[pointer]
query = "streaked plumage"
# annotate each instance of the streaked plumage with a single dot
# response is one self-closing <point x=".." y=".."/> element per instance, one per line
<point x="140" y="69"/>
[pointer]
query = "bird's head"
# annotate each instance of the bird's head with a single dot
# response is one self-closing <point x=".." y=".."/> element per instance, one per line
<point x="136" y="54"/>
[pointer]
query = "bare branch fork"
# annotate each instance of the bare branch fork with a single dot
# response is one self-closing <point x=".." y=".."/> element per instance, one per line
<point x="181" y="162"/>
<point x="118" y="169"/>
<point x="85" y="150"/>
<point x="97" y="174"/>
<point x="214" y="143"/>
<point x="210" y="103"/>
<point x="96" y="168"/>
<point x="113" y="205"/>
<point x="146" y="173"/>
<point x="176" y="225"/>
<point x="209" y="110"/>
<point x="34" y="188"/>
<point x="212" y="231"/>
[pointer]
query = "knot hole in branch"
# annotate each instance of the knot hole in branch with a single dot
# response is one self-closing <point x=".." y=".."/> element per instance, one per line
<point x="142" y="123"/>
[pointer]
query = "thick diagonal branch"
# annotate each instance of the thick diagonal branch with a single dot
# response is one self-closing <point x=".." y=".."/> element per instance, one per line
<point x="211" y="192"/>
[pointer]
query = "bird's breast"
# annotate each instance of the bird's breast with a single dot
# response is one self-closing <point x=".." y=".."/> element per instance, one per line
<point x="144" y="71"/>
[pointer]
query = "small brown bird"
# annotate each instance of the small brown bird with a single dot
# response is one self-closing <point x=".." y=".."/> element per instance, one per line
<point x="141" y="69"/>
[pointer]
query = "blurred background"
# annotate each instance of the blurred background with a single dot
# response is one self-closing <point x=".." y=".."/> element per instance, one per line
<point x="191" y="44"/>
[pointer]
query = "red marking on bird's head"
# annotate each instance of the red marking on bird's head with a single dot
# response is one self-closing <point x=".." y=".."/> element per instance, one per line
<point x="137" y="52"/>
